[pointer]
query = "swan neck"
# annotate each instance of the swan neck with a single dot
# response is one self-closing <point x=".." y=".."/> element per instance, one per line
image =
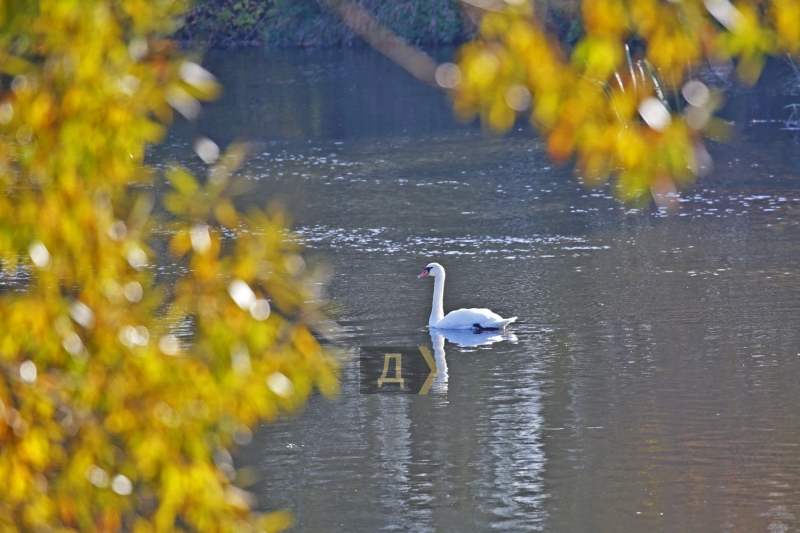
<point x="437" y="312"/>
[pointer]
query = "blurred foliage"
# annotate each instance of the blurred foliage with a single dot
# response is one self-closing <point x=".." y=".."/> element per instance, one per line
<point x="109" y="421"/>
<point x="625" y="100"/>
<point x="311" y="23"/>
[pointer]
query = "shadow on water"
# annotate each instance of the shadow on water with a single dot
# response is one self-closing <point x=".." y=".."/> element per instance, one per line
<point x="335" y="94"/>
<point x="651" y="381"/>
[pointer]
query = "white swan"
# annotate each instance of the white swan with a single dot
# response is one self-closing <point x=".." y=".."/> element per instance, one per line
<point x="460" y="318"/>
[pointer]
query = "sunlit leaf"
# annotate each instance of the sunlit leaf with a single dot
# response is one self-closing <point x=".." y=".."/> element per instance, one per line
<point x="119" y="393"/>
<point x="590" y="100"/>
<point x="183" y="182"/>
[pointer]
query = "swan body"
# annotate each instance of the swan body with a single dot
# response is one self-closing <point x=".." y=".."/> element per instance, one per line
<point x="460" y="318"/>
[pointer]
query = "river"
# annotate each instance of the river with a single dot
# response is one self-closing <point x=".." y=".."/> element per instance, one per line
<point x="651" y="380"/>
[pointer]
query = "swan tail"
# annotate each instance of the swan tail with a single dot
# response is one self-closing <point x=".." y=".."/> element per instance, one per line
<point x="497" y="324"/>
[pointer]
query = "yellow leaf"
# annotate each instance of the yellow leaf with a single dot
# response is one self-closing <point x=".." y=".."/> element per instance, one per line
<point x="226" y="214"/>
<point x="501" y="117"/>
<point x="176" y="203"/>
<point x="276" y="521"/>
<point x="180" y="244"/>
<point x="183" y="182"/>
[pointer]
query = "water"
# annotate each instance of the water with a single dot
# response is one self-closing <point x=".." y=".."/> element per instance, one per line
<point x="650" y="383"/>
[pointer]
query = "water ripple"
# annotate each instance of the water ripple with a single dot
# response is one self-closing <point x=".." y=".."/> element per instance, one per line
<point x="374" y="241"/>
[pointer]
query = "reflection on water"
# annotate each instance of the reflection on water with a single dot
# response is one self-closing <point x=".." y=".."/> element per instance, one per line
<point x="300" y="94"/>
<point x="437" y="341"/>
<point x="463" y="339"/>
<point x="469" y="338"/>
<point x="650" y="383"/>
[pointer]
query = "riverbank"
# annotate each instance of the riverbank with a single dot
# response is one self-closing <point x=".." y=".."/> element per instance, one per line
<point x="308" y="23"/>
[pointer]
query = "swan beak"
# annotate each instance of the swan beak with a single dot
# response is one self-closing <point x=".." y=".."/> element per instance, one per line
<point x="424" y="273"/>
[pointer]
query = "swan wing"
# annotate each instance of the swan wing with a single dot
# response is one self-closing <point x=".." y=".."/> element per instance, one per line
<point x="499" y="324"/>
<point x="468" y="318"/>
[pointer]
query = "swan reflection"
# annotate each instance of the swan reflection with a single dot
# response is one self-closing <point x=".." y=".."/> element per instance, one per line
<point x="469" y="338"/>
<point x="437" y="340"/>
<point x="464" y="338"/>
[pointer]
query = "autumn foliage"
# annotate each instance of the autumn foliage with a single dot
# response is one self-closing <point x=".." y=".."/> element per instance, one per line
<point x="125" y="383"/>
<point x="626" y="100"/>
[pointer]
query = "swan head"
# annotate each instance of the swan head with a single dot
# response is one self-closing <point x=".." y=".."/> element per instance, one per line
<point x="433" y="269"/>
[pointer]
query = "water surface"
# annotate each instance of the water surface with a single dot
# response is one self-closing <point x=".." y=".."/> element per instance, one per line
<point x="651" y="380"/>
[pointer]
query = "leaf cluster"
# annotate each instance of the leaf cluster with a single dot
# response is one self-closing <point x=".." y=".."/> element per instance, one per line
<point x="110" y="418"/>
<point x="625" y="100"/>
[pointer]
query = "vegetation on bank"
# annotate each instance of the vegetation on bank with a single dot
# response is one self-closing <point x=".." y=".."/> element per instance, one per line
<point x="310" y="23"/>
<point x="224" y="23"/>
